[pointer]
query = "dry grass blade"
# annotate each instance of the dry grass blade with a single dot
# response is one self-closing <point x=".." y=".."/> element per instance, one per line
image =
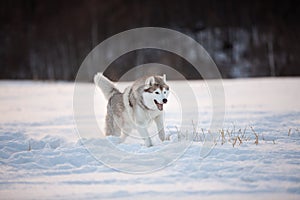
<point x="290" y="131"/>
<point x="240" y="140"/>
<point x="29" y="146"/>
<point x="234" y="141"/>
<point x="256" y="135"/>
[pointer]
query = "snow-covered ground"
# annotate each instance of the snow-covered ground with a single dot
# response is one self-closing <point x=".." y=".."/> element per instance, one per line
<point x="42" y="157"/>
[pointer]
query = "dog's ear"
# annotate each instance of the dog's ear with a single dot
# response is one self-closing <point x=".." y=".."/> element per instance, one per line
<point x="149" y="82"/>
<point x="165" y="78"/>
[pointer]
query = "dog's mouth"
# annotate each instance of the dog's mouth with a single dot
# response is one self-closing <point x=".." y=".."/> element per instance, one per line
<point x="160" y="106"/>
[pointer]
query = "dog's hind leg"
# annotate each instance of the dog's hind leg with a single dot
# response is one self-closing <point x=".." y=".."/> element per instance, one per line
<point x="109" y="125"/>
<point x="117" y="129"/>
<point x="112" y="128"/>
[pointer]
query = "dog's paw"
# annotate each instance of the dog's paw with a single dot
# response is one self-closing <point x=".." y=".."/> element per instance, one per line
<point x="148" y="142"/>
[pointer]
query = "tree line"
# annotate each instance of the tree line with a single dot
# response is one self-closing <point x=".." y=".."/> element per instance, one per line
<point x="48" y="40"/>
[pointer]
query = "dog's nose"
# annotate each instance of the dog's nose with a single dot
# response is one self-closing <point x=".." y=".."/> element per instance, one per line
<point x="165" y="100"/>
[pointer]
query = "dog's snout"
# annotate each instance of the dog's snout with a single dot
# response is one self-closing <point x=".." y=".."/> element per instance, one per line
<point x="165" y="100"/>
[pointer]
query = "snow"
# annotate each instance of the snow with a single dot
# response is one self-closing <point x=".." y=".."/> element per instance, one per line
<point x="42" y="156"/>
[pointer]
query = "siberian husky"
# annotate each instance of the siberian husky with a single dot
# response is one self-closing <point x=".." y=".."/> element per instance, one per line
<point x="135" y="108"/>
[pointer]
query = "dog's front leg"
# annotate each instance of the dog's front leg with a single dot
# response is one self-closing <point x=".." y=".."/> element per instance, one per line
<point x="145" y="135"/>
<point x="159" y="120"/>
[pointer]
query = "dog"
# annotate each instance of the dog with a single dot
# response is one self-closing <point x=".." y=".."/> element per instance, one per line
<point x="136" y="107"/>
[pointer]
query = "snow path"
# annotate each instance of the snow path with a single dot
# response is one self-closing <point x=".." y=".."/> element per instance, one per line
<point x="41" y="156"/>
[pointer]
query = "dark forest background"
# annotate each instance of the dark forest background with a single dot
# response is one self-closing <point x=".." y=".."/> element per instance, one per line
<point x="49" y="39"/>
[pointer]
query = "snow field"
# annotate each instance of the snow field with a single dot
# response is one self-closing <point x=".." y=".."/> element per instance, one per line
<point x="42" y="156"/>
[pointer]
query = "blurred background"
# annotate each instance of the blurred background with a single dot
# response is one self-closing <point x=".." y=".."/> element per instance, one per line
<point x="49" y="39"/>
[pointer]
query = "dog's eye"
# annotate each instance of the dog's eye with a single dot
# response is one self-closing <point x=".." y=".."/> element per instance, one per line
<point x="164" y="92"/>
<point x="156" y="92"/>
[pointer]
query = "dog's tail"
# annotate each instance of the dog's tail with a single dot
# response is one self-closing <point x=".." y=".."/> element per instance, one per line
<point x="107" y="87"/>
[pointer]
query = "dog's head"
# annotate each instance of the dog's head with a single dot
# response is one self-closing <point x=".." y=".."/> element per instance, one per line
<point x="156" y="92"/>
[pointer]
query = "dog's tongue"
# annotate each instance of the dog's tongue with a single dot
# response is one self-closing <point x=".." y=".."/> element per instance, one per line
<point x="160" y="106"/>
